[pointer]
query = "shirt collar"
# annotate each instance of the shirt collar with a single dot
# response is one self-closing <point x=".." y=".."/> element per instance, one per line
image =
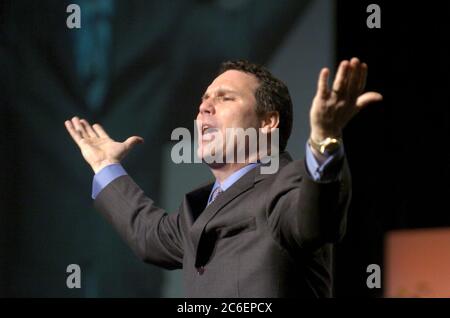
<point x="233" y="178"/>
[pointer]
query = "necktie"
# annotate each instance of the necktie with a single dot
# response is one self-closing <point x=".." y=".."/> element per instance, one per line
<point x="215" y="194"/>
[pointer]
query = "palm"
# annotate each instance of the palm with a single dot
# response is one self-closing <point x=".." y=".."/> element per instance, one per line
<point x="332" y="109"/>
<point x="97" y="148"/>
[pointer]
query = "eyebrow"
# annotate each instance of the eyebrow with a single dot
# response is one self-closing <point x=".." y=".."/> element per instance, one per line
<point x="221" y="91"/>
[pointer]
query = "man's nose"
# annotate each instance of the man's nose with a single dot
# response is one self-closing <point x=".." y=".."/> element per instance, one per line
<point x="206" y="107"/>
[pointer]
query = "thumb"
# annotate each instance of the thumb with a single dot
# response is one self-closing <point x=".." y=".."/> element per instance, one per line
<point x="368" y="98"/>
<point x="133" y="141"/>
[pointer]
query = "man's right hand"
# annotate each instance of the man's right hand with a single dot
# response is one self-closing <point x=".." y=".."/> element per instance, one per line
<point x="97" y="148"/>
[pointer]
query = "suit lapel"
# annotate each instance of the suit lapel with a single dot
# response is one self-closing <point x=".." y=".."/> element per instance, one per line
<point x="195" y="202"/>
<point x="198" y="227"/>
<point x="198" y="214"/>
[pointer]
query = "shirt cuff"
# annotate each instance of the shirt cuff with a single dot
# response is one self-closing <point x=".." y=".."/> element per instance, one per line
<point x="329" y="170"/>
<point x="105" y="177"/>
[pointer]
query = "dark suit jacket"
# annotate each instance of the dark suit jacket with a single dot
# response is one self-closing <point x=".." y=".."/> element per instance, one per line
<point x="266" y="236"/>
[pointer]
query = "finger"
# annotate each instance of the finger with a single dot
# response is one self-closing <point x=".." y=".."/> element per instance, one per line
<point x="354" y="79"/>
<point x="73" y="132"/>
<point x="88" y="128"/>
<point x="132" y="141"/>
<point x="368" y="98"/>
<point x="340" y="79"/>
<point x="322" y="83"/>
<point x="79" y="127"/>
<point x="100" y="131"/>
<point x="363" y="78"/>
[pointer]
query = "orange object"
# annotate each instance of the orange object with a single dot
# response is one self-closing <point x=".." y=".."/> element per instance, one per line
<point x="417" y="263"/>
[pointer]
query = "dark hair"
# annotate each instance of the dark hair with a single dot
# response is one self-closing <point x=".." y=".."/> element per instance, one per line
<point x="271" y="95"/>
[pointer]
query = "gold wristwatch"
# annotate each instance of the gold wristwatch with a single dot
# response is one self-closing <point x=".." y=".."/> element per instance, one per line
<point x="326" y="146"/>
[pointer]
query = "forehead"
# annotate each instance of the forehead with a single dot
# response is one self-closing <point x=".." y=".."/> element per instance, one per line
<point x="234" y="80"/>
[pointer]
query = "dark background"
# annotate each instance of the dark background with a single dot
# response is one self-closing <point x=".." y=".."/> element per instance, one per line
<point x="396" y="151"/>
<point x="159" y="57"/>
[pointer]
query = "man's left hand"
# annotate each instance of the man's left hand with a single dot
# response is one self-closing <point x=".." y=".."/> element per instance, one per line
<point x="332" y="109"/>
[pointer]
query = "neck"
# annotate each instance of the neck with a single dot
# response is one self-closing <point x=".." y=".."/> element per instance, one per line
<point x="223" y="171"/>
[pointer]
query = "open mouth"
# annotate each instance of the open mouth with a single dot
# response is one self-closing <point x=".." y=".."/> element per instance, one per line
<point x="208" y="132"/>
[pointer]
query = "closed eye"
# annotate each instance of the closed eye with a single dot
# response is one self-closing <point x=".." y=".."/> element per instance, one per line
<point x="227" y="98"/>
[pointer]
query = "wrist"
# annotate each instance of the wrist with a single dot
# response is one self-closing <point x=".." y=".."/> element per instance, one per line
<point x="320" y="158"/>
<point x="324" y="145"/>
<point x="318" y="135"/>
<point x="102" y="164"/>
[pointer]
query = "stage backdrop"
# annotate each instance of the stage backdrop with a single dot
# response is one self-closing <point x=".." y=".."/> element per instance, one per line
<point x="139" y="68"/>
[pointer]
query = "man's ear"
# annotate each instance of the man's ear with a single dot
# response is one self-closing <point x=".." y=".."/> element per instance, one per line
<point x="270" y="121"/>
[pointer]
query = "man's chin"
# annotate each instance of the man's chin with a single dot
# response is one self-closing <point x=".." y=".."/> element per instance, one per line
<point x="214" y="165"/>
<point x="211" y="160"/>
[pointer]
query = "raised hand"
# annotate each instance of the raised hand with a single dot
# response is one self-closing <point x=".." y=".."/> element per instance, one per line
<point x="97" y="148"/>
<point x="332" y="109"/>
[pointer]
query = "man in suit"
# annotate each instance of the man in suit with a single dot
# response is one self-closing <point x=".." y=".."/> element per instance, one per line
<point x="123" y="65"/>
<point x="248" y="234"/>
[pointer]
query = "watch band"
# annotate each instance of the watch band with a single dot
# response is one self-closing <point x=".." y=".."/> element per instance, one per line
<point x="328" y="145"/>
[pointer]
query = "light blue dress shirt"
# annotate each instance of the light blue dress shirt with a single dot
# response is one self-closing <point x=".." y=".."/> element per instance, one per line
<point x="323" y="172"/>
<point x="228" y="182"/>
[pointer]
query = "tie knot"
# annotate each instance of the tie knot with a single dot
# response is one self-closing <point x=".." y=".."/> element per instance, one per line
<point x="216" y="193"/>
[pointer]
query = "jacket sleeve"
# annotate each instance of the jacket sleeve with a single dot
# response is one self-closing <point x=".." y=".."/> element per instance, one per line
<point x="153" y="235"/>
<point x="308" y="214"/>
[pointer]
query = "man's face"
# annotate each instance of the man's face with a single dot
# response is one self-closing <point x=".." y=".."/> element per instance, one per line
<point x="229" y="102"/>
